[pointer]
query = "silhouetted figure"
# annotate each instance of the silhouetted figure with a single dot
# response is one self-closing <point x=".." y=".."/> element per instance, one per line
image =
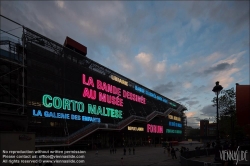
<point x="168" y="149"/>
<point x="122" y="161"/>
<point x="173" y="153"/>
<point x="213" y="144"/>
<point x="129" y="150"/>
<point x="124" y="150"/>
<point x="208" y="145"/>
<point x="133" y="150"/>
<point x="96" y="152"/>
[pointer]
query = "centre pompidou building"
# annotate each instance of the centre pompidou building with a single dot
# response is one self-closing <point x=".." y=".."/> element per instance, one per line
<point x="67" y="99"/>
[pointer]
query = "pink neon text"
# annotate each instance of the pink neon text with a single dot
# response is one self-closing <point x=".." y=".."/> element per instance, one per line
<point x="154" y="128"/>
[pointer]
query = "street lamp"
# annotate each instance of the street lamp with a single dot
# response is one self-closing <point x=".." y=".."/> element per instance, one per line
<point x="217" y="90"/>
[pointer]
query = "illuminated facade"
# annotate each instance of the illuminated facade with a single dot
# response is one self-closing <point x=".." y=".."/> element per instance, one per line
<point x="71" y="100"/>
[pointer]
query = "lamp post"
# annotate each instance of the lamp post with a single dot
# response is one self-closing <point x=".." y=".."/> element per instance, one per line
<point x="217" y="90"/>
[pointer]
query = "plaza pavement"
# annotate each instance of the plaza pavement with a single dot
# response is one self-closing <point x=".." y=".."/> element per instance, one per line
<point x="147" y="156"/>
<point x="143" y="156"/>
<point x="210" y="159"/>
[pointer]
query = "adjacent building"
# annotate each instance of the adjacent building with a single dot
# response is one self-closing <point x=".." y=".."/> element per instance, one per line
<point x="207" y="130"/>
<point x="243" y="107"/>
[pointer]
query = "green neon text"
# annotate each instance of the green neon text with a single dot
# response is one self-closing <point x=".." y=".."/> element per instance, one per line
<point x="62" y="103"/>
<point x="73" y="105"/>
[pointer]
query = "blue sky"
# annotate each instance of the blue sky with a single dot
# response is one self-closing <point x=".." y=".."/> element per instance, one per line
<point x="179" y="49"/>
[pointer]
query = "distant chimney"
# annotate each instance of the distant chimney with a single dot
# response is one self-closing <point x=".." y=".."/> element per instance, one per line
<point x="75" y="46"/>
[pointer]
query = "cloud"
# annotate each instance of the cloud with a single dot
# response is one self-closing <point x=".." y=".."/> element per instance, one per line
<point x="60" y="4"/>
<point x="192" y="120"/>
<point x="225" y="78"/>
<point x="160" y="67"/>
<point x="182" y="99"/>
<point x="232" y="14"/>
<point x="163" y="88"/>
<point x="197" y="89"/>
<point x="144" y="59"/>
<point x="175" y="67"/>
<point x="187" y="85"/>
<point x="190" y="114"/>
<point x="218" y="68"/>
<point x="150" y="66"/>
<point x="232" y="58"/>
<point x="195" y="24"/>
<point x="215" y="69"/>
<point x="214" y="57"/>
<point x="191" y="103"/>
<point x="124" y="61"/>
<point x="208" y="110"/>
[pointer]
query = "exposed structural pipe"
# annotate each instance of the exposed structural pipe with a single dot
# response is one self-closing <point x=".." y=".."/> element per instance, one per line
<point x="96" y="126"/>
<point x="10" y="20"/>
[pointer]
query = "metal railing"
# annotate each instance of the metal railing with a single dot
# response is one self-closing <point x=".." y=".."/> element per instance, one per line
<point x="87" y="130"/>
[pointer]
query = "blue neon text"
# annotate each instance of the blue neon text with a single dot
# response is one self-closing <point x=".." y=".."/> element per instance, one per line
<point x="151" y="94"/>
<point x="175" y="124"/>
<point x="59" y="115"/>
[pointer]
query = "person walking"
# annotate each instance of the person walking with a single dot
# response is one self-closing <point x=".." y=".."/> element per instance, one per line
<point x="168" y="149"/>
<point x="96" y="153"/>
<point x="213" y="144"/>
<point x="173" y="154"/>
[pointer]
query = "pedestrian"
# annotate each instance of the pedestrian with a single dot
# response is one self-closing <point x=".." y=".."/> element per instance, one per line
<point x="173" y="154"/>
<point x="122" y="161"/>
<point x="213" y="144"/>
<point x="129" y="150"/>
<point x="168" y="149"/>
<point x="96" y="152"/>
<point x="124" y="150"/>
<point x="133" y="150"/>
<point x="181" y="150"/>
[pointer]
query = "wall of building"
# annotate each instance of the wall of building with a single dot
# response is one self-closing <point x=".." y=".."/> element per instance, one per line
<point x="243" y="107"/>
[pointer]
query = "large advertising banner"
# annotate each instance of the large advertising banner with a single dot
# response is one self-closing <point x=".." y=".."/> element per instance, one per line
<point x="110" y="99"/>
<point x="66" y="88"/>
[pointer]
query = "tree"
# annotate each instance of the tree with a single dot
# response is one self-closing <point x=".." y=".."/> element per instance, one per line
<point x="227" y="107"/>
<point x="226" y="102"/>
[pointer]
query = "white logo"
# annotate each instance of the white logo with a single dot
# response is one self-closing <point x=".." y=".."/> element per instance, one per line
<point x="226" y="155"/>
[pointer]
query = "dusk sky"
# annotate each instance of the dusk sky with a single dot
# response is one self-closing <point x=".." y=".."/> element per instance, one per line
<point x="178" y="49"/>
